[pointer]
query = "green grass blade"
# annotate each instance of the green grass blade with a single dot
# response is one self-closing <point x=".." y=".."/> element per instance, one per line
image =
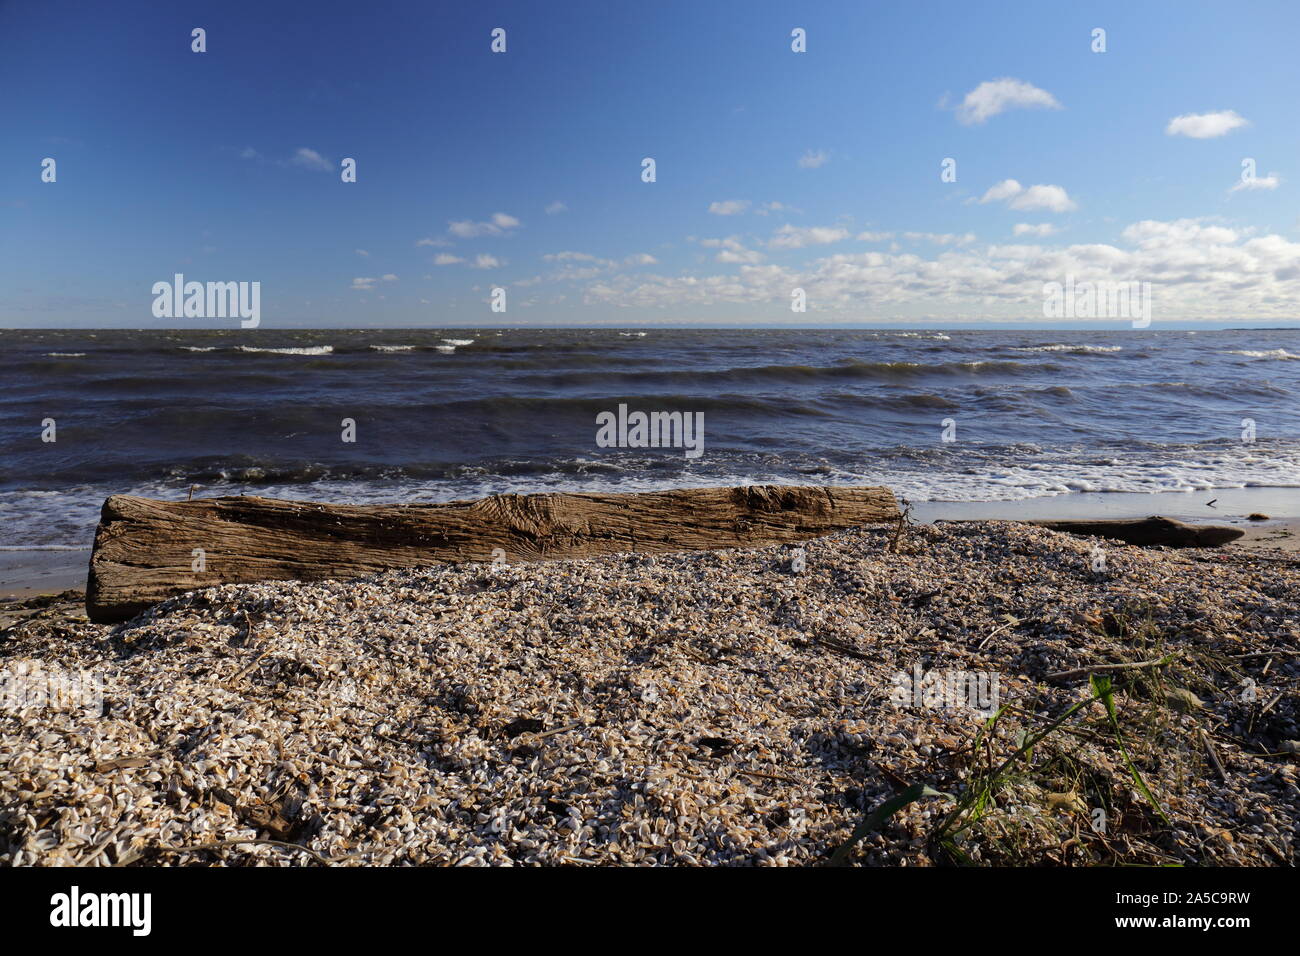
<point x="879" y="815"/>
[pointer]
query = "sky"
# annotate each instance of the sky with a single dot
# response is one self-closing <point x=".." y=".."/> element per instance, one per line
<point x="775" y="170"/>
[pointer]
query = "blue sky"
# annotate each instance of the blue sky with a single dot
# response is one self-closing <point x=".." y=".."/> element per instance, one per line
<point x="818" y="170"/>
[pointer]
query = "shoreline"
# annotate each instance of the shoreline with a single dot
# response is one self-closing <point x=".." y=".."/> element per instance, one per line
<point x="30" y="573"/>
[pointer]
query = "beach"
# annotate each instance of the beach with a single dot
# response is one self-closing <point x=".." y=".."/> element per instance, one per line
<point x="735" y="707"/>
<point x="717" y="707"/>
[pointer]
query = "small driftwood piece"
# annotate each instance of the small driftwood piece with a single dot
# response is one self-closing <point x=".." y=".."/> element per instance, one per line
<point x="1106" y="668"/>
<point x="1145" y="532"/>
<point x="1149" y="531"/>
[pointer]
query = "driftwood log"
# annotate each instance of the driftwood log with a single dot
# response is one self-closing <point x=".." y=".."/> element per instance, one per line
<point x="1148" y="531"/>
<point x="147" y="551"/>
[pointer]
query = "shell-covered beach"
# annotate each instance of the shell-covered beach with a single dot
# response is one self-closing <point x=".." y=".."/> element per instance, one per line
<point x="740" y="707"/>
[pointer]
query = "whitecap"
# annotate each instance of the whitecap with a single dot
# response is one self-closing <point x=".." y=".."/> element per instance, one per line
<point x="1082" y="349"/>
<point x="306" y="350"/>
<point x="1263" y="353"/>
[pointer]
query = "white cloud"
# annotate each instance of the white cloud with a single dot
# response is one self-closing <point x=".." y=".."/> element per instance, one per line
<point x="555" y="208"/>
<point x="1025" y="229"/>
<point x="813" y="159"/>
<point x="310" y="159"/>
<point x="874" y="236"/>
<point x="942" y="238"/>
<point x="997" y="96"/>
<point x="1155" y="234"/>
<point x="363" y="285"/>
<point x="729" y="207"/>
<point x="1197" y="270"/>
<point x="1205" y="125"/>
<point x="1271" y="181"/>
<point x="1003" y="190"/>
<point x="739" y="256"/>
<point x="499" y="225"/>
<point x="795" y="237"/>
<point x="389" y="277"/>
<point x="1053" y="198"/>
<point x="249" y="153"/>
<point x="732" y="251"/>
<point x="770" y="207"/>
<point x="570" y="257"/>
<point x="485" y="261"/>
<point x="363" y="254"/>
<point x="446" y="259"/>
<point x="432" y="242"/>
<point x="583" y="265"/>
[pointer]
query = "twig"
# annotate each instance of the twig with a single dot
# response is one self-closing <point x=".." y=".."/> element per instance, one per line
<point x="1214" y="757"/>
<point x="1269" y="706"/>
<point x="231" y="683"/>
<point x="1099" y="668"/>
<point x="993" y="633"/>
<point x="769" y="776"/>
<point x="843" y="648"/>
<point x="904" y="516"/>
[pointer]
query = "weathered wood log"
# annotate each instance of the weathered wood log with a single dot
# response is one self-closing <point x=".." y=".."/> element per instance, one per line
<point x="146" y="551"/>
<point x="1154" y="530"/>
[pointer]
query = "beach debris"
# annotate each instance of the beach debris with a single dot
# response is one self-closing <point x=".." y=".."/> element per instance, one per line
<point x="1147" y="532"/>
<point x="1183" y="700"/>
<point x="1067" y="802"/>
<point x="144" y="549"/>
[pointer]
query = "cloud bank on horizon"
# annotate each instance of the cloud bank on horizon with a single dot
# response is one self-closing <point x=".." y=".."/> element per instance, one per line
<point x="774" y="168"/>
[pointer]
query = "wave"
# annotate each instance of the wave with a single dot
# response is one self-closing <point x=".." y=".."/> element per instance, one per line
<point x="1263" y="353"/>
<point x="394" y="348"/>
<point x="750" y="375"/>
<point x="455" y="342"/>
<point x="303" y="350"/>
<point x="1072" y="349"/>
<point x="66" y="354"/>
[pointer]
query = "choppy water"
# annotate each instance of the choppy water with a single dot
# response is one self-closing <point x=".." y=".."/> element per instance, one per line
<point x="461" y="413"/>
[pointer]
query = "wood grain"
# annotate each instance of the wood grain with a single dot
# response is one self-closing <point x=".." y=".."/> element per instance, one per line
<point x="144" y="548"/>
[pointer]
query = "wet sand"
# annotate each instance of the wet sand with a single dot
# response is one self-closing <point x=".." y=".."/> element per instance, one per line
<point x="26" y="574"/>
